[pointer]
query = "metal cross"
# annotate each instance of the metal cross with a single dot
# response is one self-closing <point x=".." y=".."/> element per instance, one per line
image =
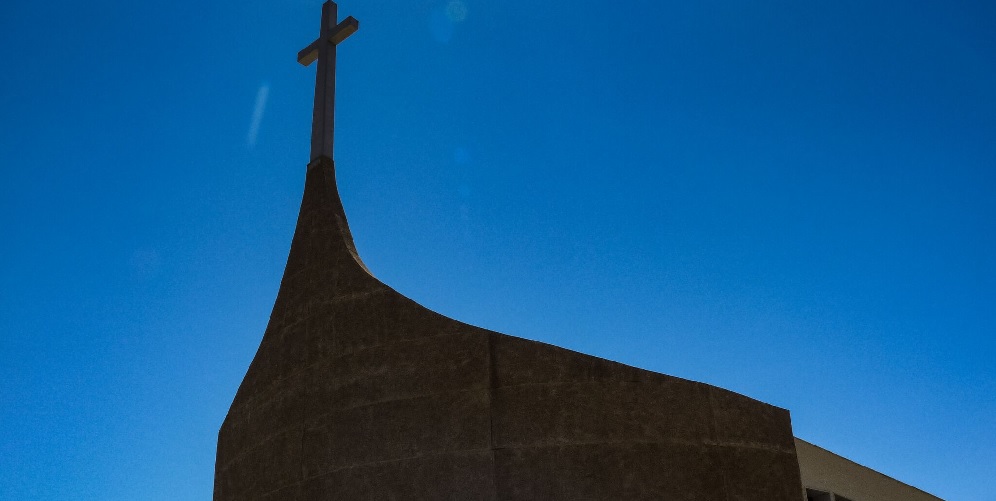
<point x="323" y="49"/>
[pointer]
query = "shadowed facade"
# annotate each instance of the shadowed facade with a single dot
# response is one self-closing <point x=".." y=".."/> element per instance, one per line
<point x="357" y="392"/>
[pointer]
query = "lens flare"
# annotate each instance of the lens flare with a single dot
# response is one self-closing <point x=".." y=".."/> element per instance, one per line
<point x="257" y="114"/>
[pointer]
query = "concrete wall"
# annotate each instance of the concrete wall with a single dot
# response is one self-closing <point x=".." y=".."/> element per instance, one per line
<point x="359" y="393"/>
<point x="825" y="471"/>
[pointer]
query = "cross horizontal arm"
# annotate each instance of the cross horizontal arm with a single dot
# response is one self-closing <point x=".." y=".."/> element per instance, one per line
<point x="347" y="27"/>
<point x="342" y="31"/>
<point x="309" y="53"/>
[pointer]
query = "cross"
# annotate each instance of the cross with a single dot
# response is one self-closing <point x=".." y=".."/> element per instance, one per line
<point x="323" y="50"/>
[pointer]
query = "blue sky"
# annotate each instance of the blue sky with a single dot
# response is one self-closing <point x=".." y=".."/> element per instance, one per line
<point x="792" y="200"/>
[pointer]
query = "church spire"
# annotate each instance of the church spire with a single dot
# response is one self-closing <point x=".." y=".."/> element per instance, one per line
<point x="322" y="236"/>
<point x="323" y="50"/>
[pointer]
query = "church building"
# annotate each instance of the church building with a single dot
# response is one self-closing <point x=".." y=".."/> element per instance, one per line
<point x="359" y="393"/>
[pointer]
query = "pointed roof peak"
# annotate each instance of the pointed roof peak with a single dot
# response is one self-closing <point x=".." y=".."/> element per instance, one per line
<point x="322" y="232"/>
<point x="322" y="241"/>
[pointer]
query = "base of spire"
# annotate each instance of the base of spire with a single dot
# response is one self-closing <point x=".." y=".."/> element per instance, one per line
<point x="320" y="160"/>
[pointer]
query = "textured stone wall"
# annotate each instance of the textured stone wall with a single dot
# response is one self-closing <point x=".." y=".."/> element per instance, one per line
<point x="357" y="392"/>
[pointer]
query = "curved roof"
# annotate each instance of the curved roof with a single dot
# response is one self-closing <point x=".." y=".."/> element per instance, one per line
<point x="357" y="392"/>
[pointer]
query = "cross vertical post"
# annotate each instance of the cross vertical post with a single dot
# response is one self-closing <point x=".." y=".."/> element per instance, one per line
<point x="323" y="50"/>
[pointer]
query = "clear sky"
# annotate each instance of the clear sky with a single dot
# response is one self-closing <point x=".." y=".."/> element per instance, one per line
<point x="795" y="200"/>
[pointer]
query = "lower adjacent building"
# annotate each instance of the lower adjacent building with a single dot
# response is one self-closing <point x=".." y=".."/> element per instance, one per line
<point x="829" y="477"/>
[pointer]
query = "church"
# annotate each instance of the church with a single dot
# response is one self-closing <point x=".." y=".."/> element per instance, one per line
<point x="359" y="393"/>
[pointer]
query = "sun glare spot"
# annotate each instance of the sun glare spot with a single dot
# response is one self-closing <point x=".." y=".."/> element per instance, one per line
<point x="442" y="20"/>
<point x="461" y="155"/>
<point x="456" y="11"/>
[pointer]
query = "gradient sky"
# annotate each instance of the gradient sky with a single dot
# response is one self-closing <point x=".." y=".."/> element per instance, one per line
<point x="795" y="200"/>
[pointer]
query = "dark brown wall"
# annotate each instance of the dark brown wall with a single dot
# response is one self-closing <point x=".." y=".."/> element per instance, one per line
<point x="357" y="392"/>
